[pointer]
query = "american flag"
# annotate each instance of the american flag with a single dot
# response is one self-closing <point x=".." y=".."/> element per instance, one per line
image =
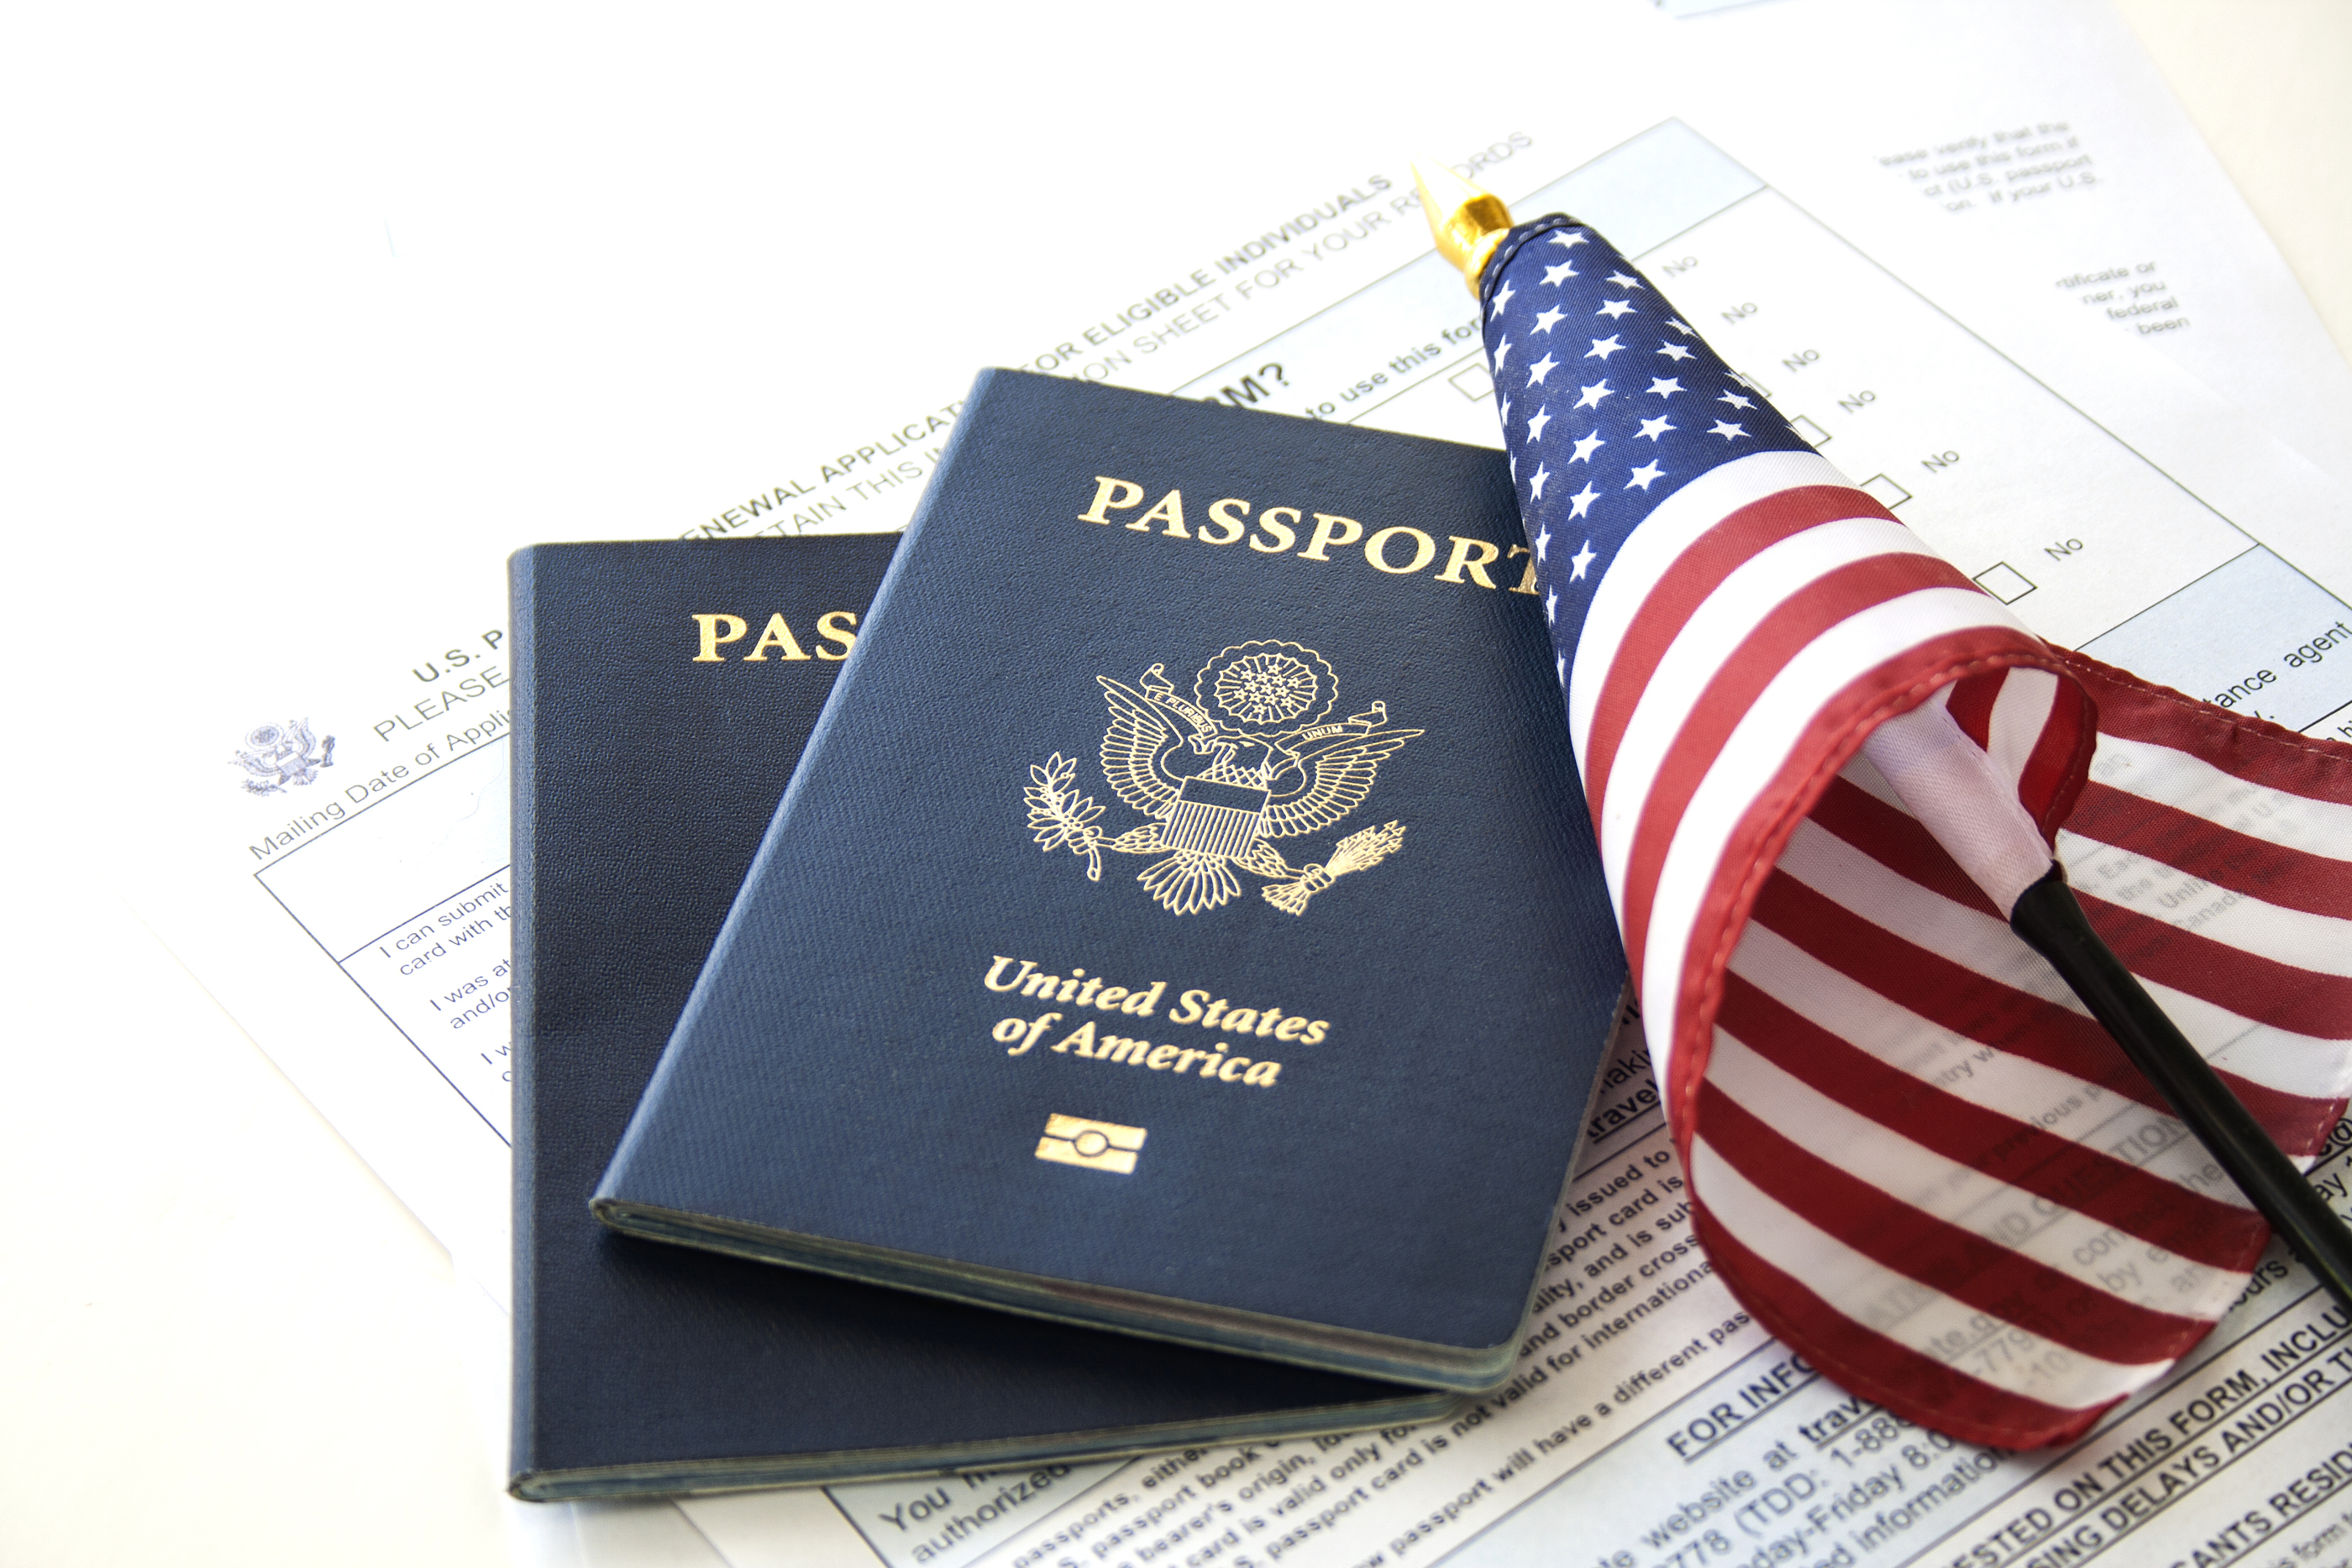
<point x="1914" y="1156"/>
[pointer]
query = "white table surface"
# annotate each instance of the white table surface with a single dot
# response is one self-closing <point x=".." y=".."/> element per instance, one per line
<point x="222" y="1340"/>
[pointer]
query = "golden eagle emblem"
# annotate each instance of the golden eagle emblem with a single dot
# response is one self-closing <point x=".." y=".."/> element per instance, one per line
<point x="1248" y="757"/>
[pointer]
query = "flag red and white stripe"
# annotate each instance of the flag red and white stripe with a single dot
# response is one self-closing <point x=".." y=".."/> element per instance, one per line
<point x="1913" y="1154"/>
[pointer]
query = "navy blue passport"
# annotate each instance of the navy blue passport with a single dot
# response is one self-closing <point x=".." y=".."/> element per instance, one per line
<point x="1185" y="919"/>
<point x="645" y="775"/>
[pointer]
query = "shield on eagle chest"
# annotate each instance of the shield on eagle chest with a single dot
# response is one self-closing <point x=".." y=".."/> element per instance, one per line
<point x="1214" y="819"/>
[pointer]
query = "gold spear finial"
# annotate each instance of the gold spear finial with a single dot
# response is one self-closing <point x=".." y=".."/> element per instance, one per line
<point x="1469" y="223"/>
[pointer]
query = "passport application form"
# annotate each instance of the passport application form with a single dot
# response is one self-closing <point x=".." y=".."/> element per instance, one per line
<point x="1971" y="360"/>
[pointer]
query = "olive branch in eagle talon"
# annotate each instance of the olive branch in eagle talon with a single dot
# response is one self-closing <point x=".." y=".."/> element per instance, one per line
<point x="1247" y="760"/>
<point x="1059" y="816"/>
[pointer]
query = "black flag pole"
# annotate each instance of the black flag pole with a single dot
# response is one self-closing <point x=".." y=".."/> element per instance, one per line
<point x="2051" y="923"/>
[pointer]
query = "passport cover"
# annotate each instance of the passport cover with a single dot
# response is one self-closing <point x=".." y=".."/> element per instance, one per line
<point x="643" y="777"/>
<point x="1186" y="920"/>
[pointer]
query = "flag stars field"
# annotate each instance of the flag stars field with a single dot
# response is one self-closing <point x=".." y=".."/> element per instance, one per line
<point x="1612" y="497"/>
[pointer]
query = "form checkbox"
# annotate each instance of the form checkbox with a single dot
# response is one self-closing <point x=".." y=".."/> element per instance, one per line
<point x="1473" y="381"/>
<point x="1884" y="491"/>
<point x="1813" y="433"/>
<point x="2004" y="582"/>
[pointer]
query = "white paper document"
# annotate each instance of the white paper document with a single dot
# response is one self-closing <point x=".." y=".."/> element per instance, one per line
<point x="338" y="868"/>
<point x="1651" y="1425"/>
<point x="389" y="865"/>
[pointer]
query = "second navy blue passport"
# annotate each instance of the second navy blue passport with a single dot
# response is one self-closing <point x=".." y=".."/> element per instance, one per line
<point x="645" y="773"/>
<point x="1184" y="920"/>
